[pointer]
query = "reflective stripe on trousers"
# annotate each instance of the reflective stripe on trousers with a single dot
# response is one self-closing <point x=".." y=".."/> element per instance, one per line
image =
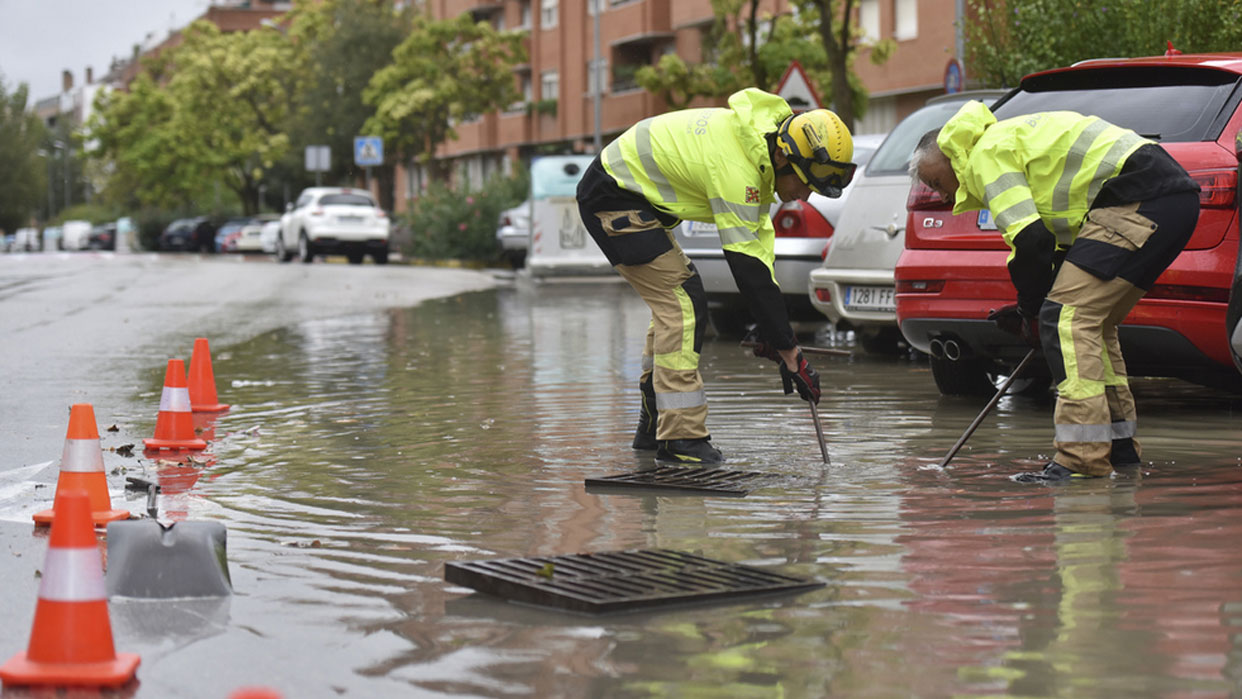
<point x="674" y="293"/>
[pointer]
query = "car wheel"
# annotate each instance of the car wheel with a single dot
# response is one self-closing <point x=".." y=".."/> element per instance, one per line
<point x="306" y="252"/>
<point x="884" y="341"/>
<point x="282" y="255"/>
<point x="729" y="322"/>
<point x="355" y="258"/>
<point x="515" y="258"/>
<point x="380" y="257"/>
<point x="965" y="377"/>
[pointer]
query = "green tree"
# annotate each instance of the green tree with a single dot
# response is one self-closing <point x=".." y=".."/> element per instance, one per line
<point x="750" y="48"/>
<point x="1007" y="39"/>
<point x="219" y="117"/>
<point x="23" y="176"/>
<point x="445" y="71"/>
<point x="341" y="44"/>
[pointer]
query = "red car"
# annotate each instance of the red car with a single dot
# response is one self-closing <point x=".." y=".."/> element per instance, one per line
<point x="953" y="272"/>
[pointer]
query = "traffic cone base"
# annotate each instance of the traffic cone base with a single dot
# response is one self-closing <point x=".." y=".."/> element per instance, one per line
<point x="174" y="425"/>
<point x="82" y="468"/>
<point x="203" y="398"/>
<point x="20" y="670"/>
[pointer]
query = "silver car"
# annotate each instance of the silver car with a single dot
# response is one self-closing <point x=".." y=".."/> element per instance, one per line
<point x="803" y="230"/>
<point x="854" y="287"/>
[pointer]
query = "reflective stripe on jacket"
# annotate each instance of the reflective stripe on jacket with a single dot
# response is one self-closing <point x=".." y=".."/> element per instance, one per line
<point x="1047" y="165"/>
<point x="709" y="165"/>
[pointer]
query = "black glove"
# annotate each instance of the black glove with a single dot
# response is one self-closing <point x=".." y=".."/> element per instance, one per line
<point x="1014" y="321"/>
<point x="759" y="347"/>
<point x="805" y="379"/>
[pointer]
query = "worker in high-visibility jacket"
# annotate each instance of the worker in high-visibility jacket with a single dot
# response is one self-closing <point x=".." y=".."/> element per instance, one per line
<point x="717" y="165"/>
<point x="1092" y="214"/>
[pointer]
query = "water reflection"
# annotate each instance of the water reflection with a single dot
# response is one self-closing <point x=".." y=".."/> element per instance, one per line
<point x="362" y="453"/>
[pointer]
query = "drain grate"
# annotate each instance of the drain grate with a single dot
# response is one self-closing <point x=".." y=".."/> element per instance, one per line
<point x="619" y="581"/>
<point x="717" y="481"/>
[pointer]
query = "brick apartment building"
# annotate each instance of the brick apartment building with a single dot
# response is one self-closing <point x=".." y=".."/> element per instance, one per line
<point x="561" y="47"/>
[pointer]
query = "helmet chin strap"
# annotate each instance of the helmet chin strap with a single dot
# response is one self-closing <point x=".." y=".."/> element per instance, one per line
<point x="786" y="169"/>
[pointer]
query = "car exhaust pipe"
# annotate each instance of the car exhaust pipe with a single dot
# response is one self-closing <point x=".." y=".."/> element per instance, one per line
<point x="952" y="350"/>
<point x="936" y="348"/>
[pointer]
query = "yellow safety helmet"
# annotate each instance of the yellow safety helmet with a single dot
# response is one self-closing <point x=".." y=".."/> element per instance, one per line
<point x="819" y="148"/>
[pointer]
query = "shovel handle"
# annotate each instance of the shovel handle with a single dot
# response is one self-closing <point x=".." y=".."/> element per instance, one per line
<point x="1000" y="392"/>
<point x="807" y="350"/>
<point x="819" y="431"/>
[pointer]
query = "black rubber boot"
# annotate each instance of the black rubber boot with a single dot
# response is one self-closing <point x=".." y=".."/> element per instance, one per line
<point x="692" y="451"/>
<point x="1052" y="473"/>
<point x="1124" y="455"/>
<point x="645" y="435"/>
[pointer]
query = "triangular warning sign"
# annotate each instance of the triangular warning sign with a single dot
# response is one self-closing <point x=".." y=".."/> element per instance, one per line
<point x="796" y="89"/>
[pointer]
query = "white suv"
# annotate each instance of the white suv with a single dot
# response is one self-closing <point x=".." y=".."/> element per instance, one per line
<point x="333" y="220"/>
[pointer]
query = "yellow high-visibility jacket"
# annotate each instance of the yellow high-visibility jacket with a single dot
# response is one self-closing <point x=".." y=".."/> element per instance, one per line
<point x="709" y="165"/>
<point x="1045" y="166"/>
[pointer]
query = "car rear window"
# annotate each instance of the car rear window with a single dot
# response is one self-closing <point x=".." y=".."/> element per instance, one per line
<point x="893" y="156"/>
<point x="1169" y="104"/>
<point x="345" y="200"/>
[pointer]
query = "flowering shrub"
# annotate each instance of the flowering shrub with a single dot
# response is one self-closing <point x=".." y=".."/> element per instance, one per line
<point x="456" y="223"/>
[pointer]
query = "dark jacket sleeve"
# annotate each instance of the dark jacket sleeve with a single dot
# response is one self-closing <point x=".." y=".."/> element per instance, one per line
<point x="764" y="299"/>
<point x="1033" y="266"/>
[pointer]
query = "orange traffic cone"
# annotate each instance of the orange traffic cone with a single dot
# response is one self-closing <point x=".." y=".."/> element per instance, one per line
<point x="203" y="397"/>
<point x="82" y="468"/>
<point x="174" y="426"/>
<point x="71" y="639"/>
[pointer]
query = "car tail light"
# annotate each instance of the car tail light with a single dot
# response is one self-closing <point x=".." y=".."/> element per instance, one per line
<point x="920" y="286"/>
<point x="796" y="219"/>
<point x="379" y="213"/>
<point x="924" y="198"/>
<point x="1180" y="292"/>
<point x="316" y="212"/>
<point x="1218" y="188"/>
<point x="823" y="295"/>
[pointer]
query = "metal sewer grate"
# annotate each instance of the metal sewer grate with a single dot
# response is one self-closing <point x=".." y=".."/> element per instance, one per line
<point x="717" y="481"/>
<point x="619" y="581"/>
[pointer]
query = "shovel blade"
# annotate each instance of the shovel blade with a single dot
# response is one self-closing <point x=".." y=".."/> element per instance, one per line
<point x="187" y="559"/>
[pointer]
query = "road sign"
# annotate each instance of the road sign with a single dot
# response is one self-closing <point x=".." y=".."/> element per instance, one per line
<point x="953" y="76"/>
<point x="797" y="90"/>
<point x="318" y="158"/>
<point x="368" y="150"/>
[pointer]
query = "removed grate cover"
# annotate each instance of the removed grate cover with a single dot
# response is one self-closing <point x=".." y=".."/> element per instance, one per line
<point x="717" y="481"/>
<point x="619" y="581"/>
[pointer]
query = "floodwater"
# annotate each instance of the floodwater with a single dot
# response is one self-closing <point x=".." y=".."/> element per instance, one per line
<point x="362" y="454"/>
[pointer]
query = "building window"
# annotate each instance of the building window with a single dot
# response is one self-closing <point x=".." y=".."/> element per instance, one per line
<point x="906" y="14"/>
<point x="549" y="85"/>
<point x="547" y="14"/>
<point x="525" y="15"/>
<point x="869" y="20"/>
<point x="594" y="75"/>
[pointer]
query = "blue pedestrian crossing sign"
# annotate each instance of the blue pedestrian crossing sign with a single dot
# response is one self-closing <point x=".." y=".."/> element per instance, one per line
<point x="368" y="150"/>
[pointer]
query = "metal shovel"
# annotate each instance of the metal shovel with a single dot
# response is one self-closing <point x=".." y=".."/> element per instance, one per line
<point x="152" y="560"/>
<point x="987" y="408"/>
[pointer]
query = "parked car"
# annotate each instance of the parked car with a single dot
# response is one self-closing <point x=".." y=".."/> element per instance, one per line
<point x="953" y="269"/>
<point x="102" y="237"/>
<point x="228" y="234"/>
<point x="803" y="231"/>
<point x="26" y="240"/>
<point x="334" y="220"/>
<point x="8" y="242"/>
<point x="513" y="234"/>
<point x="268" y="235"/>
<point x="181" y="234"/>
<point x="854" y="286"/>
<point x="1234" y="317"/>
<point x="250" y="238"/>
<point x="75" y="235"/>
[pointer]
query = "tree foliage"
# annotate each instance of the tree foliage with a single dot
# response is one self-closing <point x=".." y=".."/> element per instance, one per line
<point x="445" y="71"/>
<point x="1007" y="39"/>
<point x="753" y="48"/>
<point x="23" y="178"/>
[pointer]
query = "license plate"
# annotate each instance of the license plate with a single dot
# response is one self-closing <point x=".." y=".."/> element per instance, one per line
<point x="870" y="298"/>
<point x="349" y="219"/>
<point x="985" y="220"/>
<point x="700" y="228"/>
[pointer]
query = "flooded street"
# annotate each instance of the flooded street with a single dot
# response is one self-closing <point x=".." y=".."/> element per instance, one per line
<point x="364" y="452"/>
